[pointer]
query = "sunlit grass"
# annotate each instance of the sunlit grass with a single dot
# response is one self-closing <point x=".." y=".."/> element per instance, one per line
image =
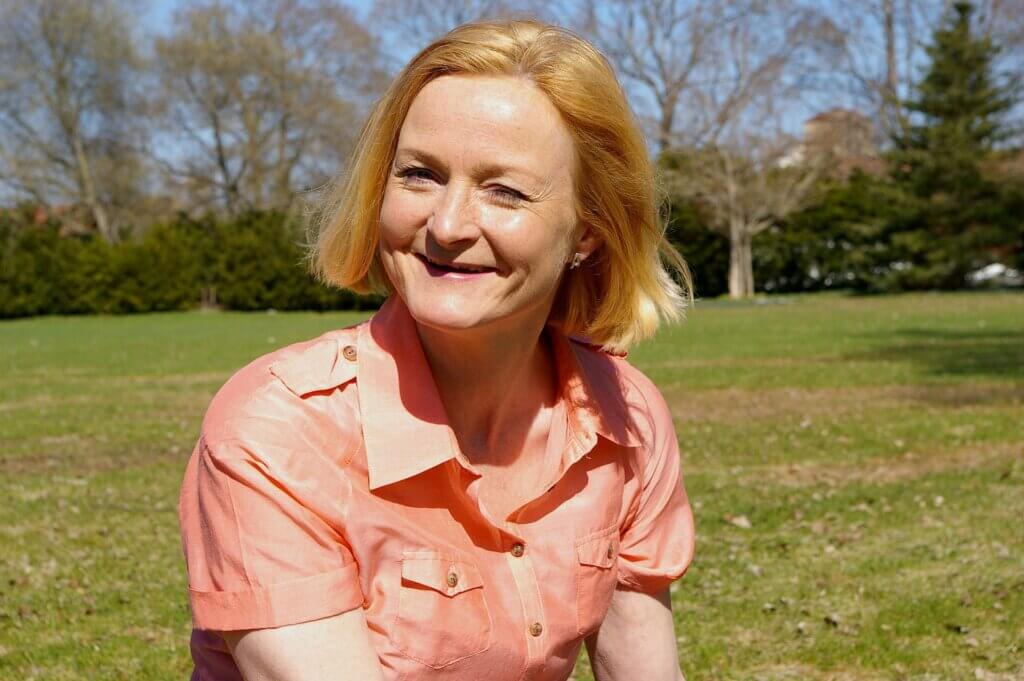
<point x="875" y="445"/>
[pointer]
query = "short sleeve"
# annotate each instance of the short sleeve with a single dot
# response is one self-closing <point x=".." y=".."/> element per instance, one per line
<point x="657" y="540"/>
<point x="262" y="537"/>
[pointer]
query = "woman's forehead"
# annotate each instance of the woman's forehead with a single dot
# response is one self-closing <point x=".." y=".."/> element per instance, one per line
<point x="466" y="116"/>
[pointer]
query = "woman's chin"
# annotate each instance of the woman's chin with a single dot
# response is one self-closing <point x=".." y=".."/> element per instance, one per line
<point x="451" y="313"/>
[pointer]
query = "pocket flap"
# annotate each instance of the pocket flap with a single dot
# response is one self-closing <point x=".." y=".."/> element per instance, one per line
<point x="600" y="551"/>
<point x="450" y="577"/>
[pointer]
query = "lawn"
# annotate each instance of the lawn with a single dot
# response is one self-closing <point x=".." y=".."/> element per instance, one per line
<point x="856" y="467"/>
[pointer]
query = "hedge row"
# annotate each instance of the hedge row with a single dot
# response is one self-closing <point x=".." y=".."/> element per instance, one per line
<point x="255" y="262"/>
<point x="252" y="263"/>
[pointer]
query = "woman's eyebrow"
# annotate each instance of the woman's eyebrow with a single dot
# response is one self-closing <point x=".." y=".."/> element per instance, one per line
<point x="419" y="155"/>
<point x="494" y="169"/>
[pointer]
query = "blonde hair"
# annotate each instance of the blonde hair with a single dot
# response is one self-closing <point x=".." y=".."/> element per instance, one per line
<point x="622" y="291"/>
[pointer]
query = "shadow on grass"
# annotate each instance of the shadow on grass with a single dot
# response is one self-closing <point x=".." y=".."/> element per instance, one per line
<point x="976" y="352"/>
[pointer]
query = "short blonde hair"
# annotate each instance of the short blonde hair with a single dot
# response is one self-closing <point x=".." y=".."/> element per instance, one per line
<point x="622" y="291"/>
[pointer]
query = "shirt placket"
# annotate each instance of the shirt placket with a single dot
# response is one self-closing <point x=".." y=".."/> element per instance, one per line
<point x="519" y="555"/>
<point x="575" y="439"/>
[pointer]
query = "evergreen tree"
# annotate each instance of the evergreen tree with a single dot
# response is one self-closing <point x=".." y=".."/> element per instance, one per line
<point x="953" y="215"/>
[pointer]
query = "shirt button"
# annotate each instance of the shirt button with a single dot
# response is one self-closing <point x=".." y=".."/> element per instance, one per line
<point x="349" y="352"/>
<point x="536" y="629"/>
<point x="453" y="579"/>
<point x="518" y="549"/>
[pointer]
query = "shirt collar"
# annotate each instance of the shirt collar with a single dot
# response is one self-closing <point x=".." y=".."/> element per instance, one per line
<point x="405" y="428"/>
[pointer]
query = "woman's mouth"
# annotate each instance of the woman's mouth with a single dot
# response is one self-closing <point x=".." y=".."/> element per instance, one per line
<point x="454" y="271"/>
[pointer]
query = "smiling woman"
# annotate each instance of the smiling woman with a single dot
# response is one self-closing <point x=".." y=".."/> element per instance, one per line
<point x="462" y="487"/>
<point x="503" y="206"/>
<point x="626" y="290"/>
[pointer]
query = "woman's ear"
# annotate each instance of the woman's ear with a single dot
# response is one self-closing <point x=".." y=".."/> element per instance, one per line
<point x="588" y="242"/>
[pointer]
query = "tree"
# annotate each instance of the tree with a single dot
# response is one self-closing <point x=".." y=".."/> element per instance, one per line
<point x="880" y="43"/>
<point x="418" y="22"/>
<point x="832" y="242"/>
<point x="953" y="215"/>
<point x="743" y="191"/>
<point x="694" y="69"/>
<point x="714" y="83"/>
<point x="68" y="118"/>
<point x="262" y="99"/>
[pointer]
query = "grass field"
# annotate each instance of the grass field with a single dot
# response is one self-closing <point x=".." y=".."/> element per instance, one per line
<point x="856" y="467"/>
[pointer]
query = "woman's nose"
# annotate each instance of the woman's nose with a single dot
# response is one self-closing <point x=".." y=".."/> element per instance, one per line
<point x="453" y="219"/>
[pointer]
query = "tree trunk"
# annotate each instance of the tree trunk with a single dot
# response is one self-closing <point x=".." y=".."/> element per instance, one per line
<point x="88" y="189"/>
<point x="891" y="78"/>
<point x="666" y="121"/>
<point x="741" y="264"/>
<point x="282" y="194"/>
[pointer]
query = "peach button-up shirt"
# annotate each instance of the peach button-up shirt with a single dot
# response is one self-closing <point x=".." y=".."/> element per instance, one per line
<point x="327" y="478"/>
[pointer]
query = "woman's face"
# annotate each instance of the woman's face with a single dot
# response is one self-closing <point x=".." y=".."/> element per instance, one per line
<point x="478" y="217"/>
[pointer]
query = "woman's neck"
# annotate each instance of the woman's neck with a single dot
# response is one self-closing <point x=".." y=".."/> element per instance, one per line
<point x="494" y="384"/>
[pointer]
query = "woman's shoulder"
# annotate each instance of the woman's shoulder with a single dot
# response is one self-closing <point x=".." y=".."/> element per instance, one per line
<point x="622" y="387"/>
<point x="271" y="390"/>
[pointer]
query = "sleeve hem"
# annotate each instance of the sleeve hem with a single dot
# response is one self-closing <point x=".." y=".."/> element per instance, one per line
<point x="649" y="583"/>
<point x="277" y="605"/>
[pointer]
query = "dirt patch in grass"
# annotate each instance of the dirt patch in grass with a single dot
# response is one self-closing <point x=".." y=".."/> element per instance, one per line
<point x="86" y="460"/>
<point x="802" y="672"/>
<point x="909" y="466"/>
<point x="44" y="400"/>
<point x="705" y="362"/>
<point x="196" y="379"/>
<point x="736" y="405"/>
<point x="200" y="382"/>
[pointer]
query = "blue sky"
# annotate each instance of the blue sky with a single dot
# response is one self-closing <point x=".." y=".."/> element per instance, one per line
<point x="160" y="13"/>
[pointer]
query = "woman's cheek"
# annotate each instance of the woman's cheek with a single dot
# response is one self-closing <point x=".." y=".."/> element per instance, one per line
<point x="536" y="244"/>
<point x="400" y="216"/>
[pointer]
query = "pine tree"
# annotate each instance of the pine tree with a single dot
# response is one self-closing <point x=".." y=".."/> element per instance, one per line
<point x="952" y="215"/>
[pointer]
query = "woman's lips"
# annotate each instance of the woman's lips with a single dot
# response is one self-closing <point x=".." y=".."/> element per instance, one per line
<point x="440" y="272"/>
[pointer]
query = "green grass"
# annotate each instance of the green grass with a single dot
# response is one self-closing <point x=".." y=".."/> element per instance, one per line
<point x="876" y="445"/>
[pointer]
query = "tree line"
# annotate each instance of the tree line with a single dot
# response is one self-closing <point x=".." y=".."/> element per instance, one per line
<point x="220" y="129"/>
<point x="251" y="261"/>
<point x="943" y="200"/>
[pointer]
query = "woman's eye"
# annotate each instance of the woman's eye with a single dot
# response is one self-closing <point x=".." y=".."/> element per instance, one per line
<point x="507" y="197"/>
<point x="414" y="174"/>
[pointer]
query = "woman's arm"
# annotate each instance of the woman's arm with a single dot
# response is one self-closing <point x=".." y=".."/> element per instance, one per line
<point x="335" y="648"/>
<point x="637" y="639"/>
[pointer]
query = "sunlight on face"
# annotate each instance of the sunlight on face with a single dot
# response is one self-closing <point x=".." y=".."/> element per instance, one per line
<point x="482" y="181"/>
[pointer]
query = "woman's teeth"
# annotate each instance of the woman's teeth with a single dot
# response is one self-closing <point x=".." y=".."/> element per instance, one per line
<point x="458" y="267"/>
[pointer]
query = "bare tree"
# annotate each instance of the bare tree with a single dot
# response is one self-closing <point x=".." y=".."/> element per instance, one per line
<point x="66" y="110"/>
<point x="1003" y="21"/>
<point x="744" y="189"/>
<point x="413" y="24"/>
<point x="717" y="81"/>
<point x="262" y="99"/>
<point x="694" y="68"/>
<point x="882" y="45"/>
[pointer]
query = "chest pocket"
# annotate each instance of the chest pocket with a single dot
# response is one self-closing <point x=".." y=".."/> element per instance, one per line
<point x="596" y="576"/>
<point x="442" y="615"/>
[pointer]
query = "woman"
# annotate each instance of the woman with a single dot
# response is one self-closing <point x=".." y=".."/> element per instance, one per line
<point x="458" y="488"/>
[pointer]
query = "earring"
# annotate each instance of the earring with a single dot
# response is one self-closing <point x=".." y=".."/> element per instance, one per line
<point x="577" y="258"/>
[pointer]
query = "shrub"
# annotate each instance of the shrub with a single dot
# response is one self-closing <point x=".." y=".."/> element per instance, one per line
<point x="254" y="262"/>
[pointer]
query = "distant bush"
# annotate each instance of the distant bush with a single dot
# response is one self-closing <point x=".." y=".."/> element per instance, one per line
<point x="835" y="242"/>
<point x="254" y="262"/>
<point x="706" y="252"/>
<point x="854" y="235"/>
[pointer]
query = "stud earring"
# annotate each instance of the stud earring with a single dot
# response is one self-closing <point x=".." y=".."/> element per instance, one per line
<point x="577" y="258"/>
